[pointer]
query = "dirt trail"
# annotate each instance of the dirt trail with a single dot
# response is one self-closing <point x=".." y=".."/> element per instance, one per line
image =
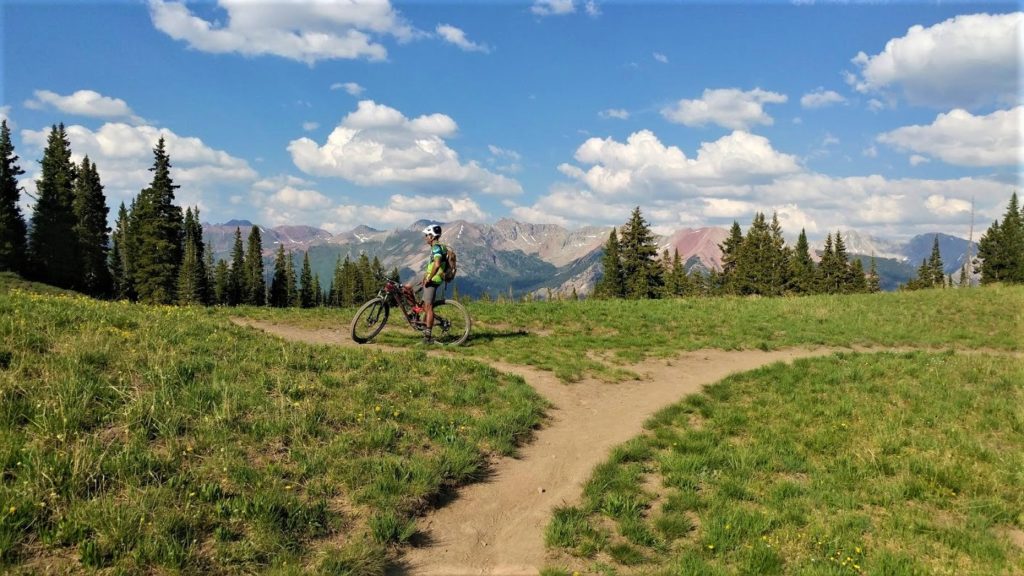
<point x="497" y="526"/>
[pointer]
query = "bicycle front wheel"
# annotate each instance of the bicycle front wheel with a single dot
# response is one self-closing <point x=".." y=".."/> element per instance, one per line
<point x="370" y="320"/>
<point x="451" y="323"/>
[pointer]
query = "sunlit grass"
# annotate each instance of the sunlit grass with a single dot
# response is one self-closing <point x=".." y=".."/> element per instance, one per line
<point x="853" y="464"/>
<point x="158" y="439"/>
<point x="598" y="337"/>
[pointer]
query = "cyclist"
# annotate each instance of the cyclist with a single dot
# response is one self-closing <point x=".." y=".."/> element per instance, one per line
<point x="432" y="278"/>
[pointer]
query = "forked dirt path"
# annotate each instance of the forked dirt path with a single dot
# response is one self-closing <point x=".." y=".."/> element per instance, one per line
<point x="497" y="526"/>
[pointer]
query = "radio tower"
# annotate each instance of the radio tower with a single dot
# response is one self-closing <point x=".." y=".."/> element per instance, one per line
<point x="969" y="270"/>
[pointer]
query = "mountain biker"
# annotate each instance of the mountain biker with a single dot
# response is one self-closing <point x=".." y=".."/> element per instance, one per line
<point x="432" y="278"/>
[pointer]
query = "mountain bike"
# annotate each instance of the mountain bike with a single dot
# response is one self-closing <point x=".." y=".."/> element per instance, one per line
<point x="451" y="320"/>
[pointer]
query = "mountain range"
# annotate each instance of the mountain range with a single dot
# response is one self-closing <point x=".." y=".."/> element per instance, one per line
<point x="518" y="257"/>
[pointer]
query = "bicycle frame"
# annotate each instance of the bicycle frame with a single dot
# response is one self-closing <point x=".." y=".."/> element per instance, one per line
<point x="394" y="295"/>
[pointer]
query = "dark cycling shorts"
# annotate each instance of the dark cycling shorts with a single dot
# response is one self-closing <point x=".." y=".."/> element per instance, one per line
<point x="428" y="292"/>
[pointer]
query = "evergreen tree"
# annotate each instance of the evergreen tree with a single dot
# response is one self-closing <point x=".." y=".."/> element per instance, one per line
<point x="366" y="284"/>
<point x="52" y="246"/>
<point x="874" y="283"/>
<point x="255" y="283"/>
<point x="192" y="279"/>
<point x="157" y="233"/>
<point x="778" y="268"/>
<point x="937" y="275"/>
<point x="678" y="280"/>
<point x="349" y="284"/>
<point x="831" y="272"/>
<point x="306" y="283"/>
<point x="858" y="280"/>
<point x="292" y="282"/>
<point x="13" y="231"/>
<point x="222" y="283"/>
<point x="236" y="280"/>
<point x="91" y="231"/>
<point x="318" y="295"/>
<point x="922" y="279"/>
<point x="730" y="254"/>
<point x="611" y="283"/>
<point x="843" y="268"/>
<point x="120" y="266"/>
<point x="640" y="270"/>
<point x="279" y="283"/>
<point x="754" y="260"/>
<point x="211" y="275"/>
<point x="1001" y="248"/>
<point x="801" y="267"/>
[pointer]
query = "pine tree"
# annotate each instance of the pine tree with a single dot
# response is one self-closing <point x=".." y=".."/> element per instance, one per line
<point x="279" y="283"/>
<point x="211" y="275"/>
<point x="120" y="266"/>
<point x="843" y="268"/>
<point x="366" y="284"/>
<point x="349" y="284"/>
<point x="1001" y="248"/>
<point x="306" y="283"/>
<point x="222" y="283"/>
<point x="52" y="246"/>
<point x="237" y="278"/>
<point x="640" y="269"/>
<point x="801" y="267"/>
<point x="91" y="230"/>
<point x="753" y="269"/>
<point x="936" y="276"/>
<point x="291" y="279"/>
<point x="13" y="231"/>
<point x="778" y="268"/>
<point x="157" y="233"/>
<point x="680" y="282"/>
<point x="318" y="295"/>
<point x="730" y="254"/>
<point x="831" y="274"/>
<point x="255" y="283"/>
<point x="192" y="280"/>
<point x="858" y="280"/>
<point x="874" y="283"/>
<point x="611" y="283"/>
<point x="922" y="279"/>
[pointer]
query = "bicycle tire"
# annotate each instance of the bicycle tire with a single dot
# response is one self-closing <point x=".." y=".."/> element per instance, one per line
<point x="451" y="323"/>
<point x="372" y="316"/>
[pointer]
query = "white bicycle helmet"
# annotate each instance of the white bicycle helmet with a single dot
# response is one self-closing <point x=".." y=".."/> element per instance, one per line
<point x="432" y="230"/>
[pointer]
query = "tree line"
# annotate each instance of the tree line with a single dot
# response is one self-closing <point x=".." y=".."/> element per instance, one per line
<point x="156" y="253"/>
<point x="760" y="263"/>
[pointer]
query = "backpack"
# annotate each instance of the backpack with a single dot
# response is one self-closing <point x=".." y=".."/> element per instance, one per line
<point x="451" y="265"/>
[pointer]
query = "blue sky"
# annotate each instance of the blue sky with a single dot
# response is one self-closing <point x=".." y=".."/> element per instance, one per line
<point x="885" y="118"/>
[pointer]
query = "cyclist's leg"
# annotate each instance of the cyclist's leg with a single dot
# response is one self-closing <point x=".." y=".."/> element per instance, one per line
<point x="428" y="306"/>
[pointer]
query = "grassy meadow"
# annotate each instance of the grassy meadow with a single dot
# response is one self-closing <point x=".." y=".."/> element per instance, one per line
<point x="885" y="463"/>
<point x="142" y="439"/>
<point x="599" y="337"/>
<point x="137" y="439"/>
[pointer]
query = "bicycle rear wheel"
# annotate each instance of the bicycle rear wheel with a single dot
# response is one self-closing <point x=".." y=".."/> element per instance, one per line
<point x="370" y="320"/>
<point x="451" y="323"/>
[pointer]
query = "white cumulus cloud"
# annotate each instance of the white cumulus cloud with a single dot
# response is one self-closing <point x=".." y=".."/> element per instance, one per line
<point x="556" y="7"/>
<point x="728" y="107"/>
<point x="87" y="103"/>
<point x="377" y="145"/>
<point x="966" y="61"/>
<point x="297" y="30"/>
<point x="643" y="165"/>
<point x="821" y="98"/>
<point x="456" y="36"/>
<point x="961" y="138"/>
<point x="124" y="153"/>
<point x="660" y="57"/>
<point x="353" y="88"/>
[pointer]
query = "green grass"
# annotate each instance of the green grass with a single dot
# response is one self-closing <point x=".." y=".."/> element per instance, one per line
<point x="882" y="463"/>
<point x="139" y="439"/>
<point x="575" y="339"/>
